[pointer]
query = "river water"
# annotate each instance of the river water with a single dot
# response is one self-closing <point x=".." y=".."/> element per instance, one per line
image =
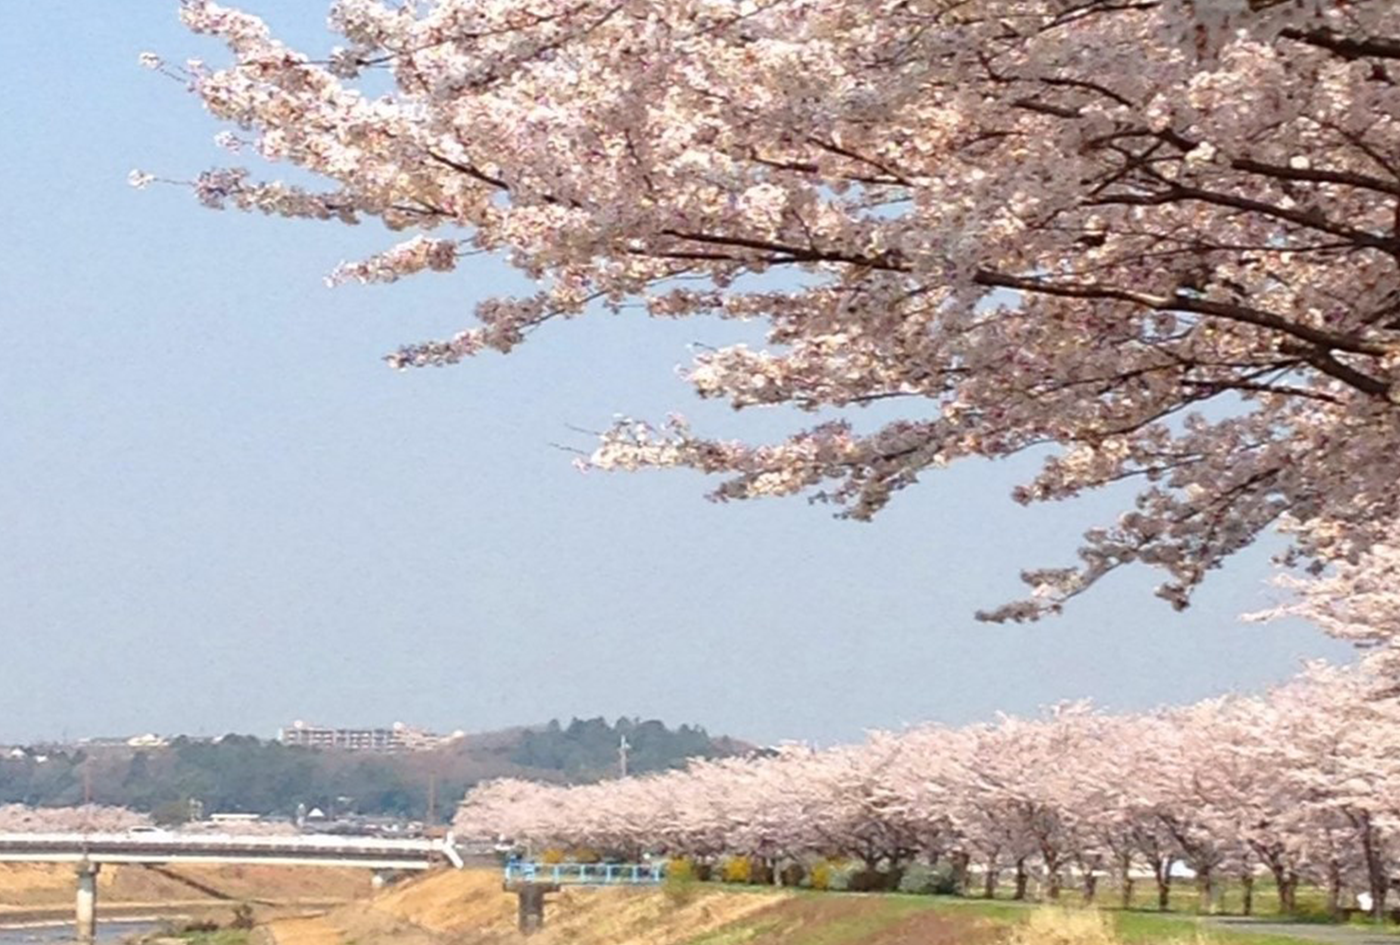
<point x="107" y="932"/>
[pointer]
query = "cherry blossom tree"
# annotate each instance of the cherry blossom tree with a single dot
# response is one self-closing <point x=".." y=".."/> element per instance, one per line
<point x="88" y="818"/>
<point x="1026" y="789"/>
<point x="1156" y="242"/>
<point x="864" y="804"/>
<point x="1248" y="786"/>
<point x="1352" y="779"/>
<point x="1064" y="791"/>
<point x="1112" y="808"/>
<point x="1185" y="745"/>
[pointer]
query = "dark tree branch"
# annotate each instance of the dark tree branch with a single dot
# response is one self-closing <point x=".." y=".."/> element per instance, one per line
<point x="1231" y="311"/>
<point x="1369" y="47"/>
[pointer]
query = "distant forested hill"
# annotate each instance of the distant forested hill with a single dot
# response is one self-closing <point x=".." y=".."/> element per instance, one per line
<point x="246" y="774"/>
<point x="588" y="749"/>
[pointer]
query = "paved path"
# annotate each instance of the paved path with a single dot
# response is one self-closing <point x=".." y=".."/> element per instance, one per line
<point x="1331" y="934"/>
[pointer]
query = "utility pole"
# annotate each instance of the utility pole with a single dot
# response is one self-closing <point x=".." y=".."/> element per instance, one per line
<point x="623" y="747"/>
<point x="432" y="800"/>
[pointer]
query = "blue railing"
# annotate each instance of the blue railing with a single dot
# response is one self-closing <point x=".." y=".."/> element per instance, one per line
<point x="586" y="874"/>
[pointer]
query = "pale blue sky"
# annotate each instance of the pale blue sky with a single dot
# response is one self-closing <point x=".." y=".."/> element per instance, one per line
<point x="220" y="511"/>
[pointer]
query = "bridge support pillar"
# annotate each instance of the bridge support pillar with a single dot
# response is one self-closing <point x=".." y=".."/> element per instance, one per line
<point x="382" y="878"/>
<point x="87" y="902"/>
<point x="530" y="900"/>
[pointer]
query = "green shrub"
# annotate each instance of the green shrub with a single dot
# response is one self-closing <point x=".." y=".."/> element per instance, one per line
<point x="868" y="880"/>
<point x="929" y="881"/>
<point x="1312" y="911"/>
<point x="680" y="885"/>
<point x="841" y="873"/>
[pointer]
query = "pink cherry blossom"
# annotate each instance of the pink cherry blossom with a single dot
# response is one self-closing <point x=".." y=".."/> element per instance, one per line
<point x="1158" y="238"/>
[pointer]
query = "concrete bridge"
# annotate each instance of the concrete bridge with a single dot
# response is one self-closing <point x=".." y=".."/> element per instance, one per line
<point x="89" y="851"/>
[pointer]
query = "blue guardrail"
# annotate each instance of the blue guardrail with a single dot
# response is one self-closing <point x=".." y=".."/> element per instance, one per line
<point x="586" y="874"/>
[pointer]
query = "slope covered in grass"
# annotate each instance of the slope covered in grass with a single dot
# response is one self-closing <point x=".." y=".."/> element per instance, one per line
<point x="470" y="908"/>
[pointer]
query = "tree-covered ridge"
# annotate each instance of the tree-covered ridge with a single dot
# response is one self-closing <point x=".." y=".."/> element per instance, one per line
<point x="246" y="774"/>
<point x="590" y="748"/>
<point x="236" y="773"/>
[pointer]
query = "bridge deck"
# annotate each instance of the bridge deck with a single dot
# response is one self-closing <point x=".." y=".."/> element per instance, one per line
<point x="369" y="852"/>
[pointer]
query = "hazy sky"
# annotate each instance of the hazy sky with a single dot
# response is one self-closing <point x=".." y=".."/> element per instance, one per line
<point x="220" y="511"/>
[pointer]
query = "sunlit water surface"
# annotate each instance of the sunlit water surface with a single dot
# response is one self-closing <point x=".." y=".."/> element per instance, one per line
<point x="107" y="932"/>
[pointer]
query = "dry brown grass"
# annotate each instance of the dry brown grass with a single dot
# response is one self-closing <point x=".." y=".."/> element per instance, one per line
<point x="303" y="930"/>
<point x="469" y="907"/>
<point x="1088" y="926"/>
<point x="31" y="885"/>
<point x="1064" y="927"/>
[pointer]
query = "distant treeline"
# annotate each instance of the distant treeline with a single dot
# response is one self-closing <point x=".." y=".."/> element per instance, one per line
<point x="241" y="773"/>
<point x="588" y="749"/>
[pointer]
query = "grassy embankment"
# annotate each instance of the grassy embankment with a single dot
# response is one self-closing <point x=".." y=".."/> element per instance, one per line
<point x="469" y="908"/>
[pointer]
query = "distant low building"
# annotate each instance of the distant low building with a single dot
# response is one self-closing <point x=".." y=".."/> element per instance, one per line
<point x="147" y="741"/>
<point x="398" y="737"/>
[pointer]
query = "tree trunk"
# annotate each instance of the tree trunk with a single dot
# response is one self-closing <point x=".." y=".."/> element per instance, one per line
<point x="1125" y="878"/>
<point x="1247" y="882"/>
<point x="1091" y="887"/>
<point x="894" y="873"/>
<point x="960" y="877"/>
<point x="989" y="881"/>
<point x="1022" y="879"/>
<point x="1375" y="869"/>
<point x="1287" y="882"/>
<point x="1163" y="873"/>
<point x="1205" y="891"/>
<point x="1334" y="889"/>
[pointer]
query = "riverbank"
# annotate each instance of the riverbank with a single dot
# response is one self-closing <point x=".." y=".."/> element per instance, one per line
<point x="40" y="895"/>
<point x="36" y="885"/>
<point x="19" y="920"/>
<point x="113" y="933"/>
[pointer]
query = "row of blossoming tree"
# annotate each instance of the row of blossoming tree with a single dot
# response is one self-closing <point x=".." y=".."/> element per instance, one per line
<point x="88" y="818"/>
<point x="1302" y="783"/>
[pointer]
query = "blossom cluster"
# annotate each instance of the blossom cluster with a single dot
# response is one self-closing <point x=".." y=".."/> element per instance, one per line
<point x="1160" y="239"/>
